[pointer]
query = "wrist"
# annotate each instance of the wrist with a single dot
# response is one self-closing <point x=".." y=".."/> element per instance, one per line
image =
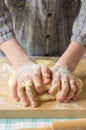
<point x="21" y="62"/>
<point x="15" y="53"/>
<point x="61" y="64"/>
<point x="71" y="56"/>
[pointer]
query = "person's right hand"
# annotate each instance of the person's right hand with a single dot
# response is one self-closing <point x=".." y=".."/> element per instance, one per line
<point x="25" y="73"/>
<point x="65" y="81"/>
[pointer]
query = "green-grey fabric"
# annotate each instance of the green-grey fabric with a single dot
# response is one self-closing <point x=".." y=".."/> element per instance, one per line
<point x="42" y="27"/>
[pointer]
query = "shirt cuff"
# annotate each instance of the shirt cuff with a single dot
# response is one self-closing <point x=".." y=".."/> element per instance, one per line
<point x="6" y="37"/>
<point x="79" y="39"/>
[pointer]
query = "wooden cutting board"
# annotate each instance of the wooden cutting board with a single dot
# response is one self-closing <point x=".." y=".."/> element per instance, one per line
<point x="11" y="109"/>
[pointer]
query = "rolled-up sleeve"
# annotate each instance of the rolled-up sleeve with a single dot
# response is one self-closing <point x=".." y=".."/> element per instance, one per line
<point x="79" y="26"/>
<point x="6" y="30"/>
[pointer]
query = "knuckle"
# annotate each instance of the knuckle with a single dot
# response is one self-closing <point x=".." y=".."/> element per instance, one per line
<point x="27" y="77"/>
<point x="19" y="89"/>
<point x="56" y="79"/>
<point x="64" y="81"/>
<point x="38" y="88"/>
<point x="66" y="87"/>
<point x="66" y="84"/>
<point x="73" y="88"/>
<point x="56" y="85"/>
<point x="38" y="85"/>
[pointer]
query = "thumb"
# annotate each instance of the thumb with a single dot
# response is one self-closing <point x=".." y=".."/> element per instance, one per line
<point x="46" y="74"/>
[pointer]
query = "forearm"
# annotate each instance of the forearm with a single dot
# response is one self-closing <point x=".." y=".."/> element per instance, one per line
<point x="14" y="52"/>
<point x="72" y="56"/>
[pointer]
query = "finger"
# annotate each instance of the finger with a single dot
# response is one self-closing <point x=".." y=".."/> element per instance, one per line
<point x="46" y="74"/>
<point x="22" y="95"/>
<point x="13" y="87"/>
<point x="71" y="92"/>
<point x="55" y="87"/>
<point x="78" y="90"/>
<point x="30" y="94"/>
<point x="38" y="83"/>
<point x="65" y="89"/>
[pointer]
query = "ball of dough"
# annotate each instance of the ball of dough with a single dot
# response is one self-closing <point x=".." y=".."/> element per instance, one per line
<point x="45" y="96"/>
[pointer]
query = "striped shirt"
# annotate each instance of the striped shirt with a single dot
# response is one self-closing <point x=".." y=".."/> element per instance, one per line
<point x="43" y="27"/>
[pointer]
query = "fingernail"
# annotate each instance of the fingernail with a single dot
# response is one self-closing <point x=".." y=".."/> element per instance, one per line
<point x="25" y="104"/>
<point x="34" y="104"/>
<point x="59" y="97"/>
<point x="46" y="81"/>
<point x="58" y="100"/>
<point x="47" y="75"/>
<point x="50" y="91"/>
<point x="17" y="99"/>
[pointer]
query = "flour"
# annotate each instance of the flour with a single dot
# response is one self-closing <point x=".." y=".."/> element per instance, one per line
<point x="73" y="105"/>
<point x="76" y="106"/>
<point x="61" y="106"/>
<point x="7" y="67"/>
<point x="5" y="70"/>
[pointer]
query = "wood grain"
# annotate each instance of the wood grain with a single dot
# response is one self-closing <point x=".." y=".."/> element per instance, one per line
<point x="11" y="109"/>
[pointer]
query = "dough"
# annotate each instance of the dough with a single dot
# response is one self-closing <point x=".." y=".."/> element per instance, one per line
<point x="45" y="96"/>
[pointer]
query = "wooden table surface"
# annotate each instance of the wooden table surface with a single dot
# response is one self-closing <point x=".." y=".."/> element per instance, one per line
<point x="11" y="109"/>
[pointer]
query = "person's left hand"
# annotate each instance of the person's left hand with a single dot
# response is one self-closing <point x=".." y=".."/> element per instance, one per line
<point x="70" y="87"/>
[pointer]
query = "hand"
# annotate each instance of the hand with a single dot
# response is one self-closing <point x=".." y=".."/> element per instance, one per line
<point x="70" y="87"/>
<point x="35" y="75"/>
